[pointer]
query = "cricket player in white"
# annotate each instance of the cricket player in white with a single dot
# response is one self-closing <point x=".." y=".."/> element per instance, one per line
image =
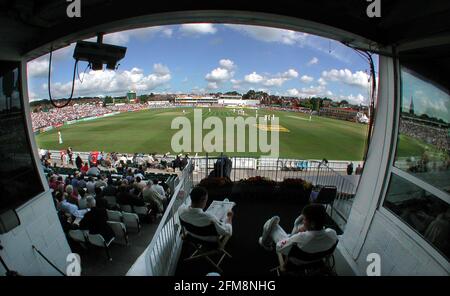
<point x="60" y="137"/>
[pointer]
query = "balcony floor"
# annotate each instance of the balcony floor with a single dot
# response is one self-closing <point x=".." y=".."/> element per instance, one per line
<point x="248" y="257"/>
<point x="95" y="263"/>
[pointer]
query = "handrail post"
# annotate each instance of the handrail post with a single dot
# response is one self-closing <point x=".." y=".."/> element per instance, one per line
<point x="207" y="165"/>
<point x="276" y="170"/>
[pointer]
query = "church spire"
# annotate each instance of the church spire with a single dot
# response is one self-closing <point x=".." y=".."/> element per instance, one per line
<point x="411" y="106"/>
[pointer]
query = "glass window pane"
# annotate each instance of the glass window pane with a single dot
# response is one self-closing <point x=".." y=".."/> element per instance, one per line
<point x="19" y="178"/>
<point x="424" y="212"/>
<point x="424" y="141"/>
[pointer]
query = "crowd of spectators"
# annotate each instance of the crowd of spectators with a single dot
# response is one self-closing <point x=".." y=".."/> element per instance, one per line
<point x="81" y="203"/>
<point x="435" y="136"/>
<point x="58" y="116"/>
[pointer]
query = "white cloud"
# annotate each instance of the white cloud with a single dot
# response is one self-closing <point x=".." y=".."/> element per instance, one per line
<point x="274" y="81"/>
<point x="356" y="100"/>
<point x="313" y="61"/>
<point x="32" y="95"/>
<point x="307" y="92"/>
<point x="306" y="79"/>
<point x="322" y="81"/>
<point x="212" y="85"/>
<point x="198" y="29"/>
<point x="123" y="37"/>
<point x="197" y="90"/>
<point x="267" y="34"/>
<point x="218" y="75"/>
<point x="293" y="92"/>
<point x="38" y="67"/>
<point x="160" y="69"/>
<point x="268" y="80"/>
<point x="167" y="32"/>
<point x="253" y="78"/>
<point x="291" y="73"/>
<point x="102" y="82"/>
<point x="359" y="78"/>
<point x="227" y="64"/>
<point x="221" y="74"/>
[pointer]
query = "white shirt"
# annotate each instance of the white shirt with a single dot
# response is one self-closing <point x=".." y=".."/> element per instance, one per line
<point x="72" y="209"/>
<point x="309" y="241"/>
<point x="200" y="218"/>
<point x="158" y="188"/>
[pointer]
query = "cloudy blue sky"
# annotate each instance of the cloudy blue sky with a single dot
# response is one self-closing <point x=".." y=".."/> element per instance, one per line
<point x="202" y="58"/>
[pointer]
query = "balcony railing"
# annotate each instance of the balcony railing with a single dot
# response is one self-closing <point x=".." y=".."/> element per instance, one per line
<point x="324" y="173"/>
<point x="162" y="254"/>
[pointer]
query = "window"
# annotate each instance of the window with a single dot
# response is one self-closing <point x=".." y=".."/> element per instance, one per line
<point x="418" y="191"/>
<point x="424" y="212"/>
<point x="19" y="178"/>
<point x="423" y="141"/>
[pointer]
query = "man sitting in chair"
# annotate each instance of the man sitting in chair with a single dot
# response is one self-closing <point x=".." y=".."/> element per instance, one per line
<point x="195" y="215"/>
<point x="308" y="233"/>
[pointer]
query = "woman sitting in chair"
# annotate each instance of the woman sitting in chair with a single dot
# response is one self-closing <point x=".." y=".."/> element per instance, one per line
<point x="308" y="234"/>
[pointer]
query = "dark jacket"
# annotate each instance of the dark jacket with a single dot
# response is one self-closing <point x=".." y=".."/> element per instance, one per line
<point x="126" y="198"/>
<point x="79" y="162"/>
<point x="95" y="222"/>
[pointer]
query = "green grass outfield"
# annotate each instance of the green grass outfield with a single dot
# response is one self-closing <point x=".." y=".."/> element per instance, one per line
<point x="149" y="131"/>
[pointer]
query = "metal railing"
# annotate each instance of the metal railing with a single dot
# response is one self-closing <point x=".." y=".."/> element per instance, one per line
<point x="162" y="254"/>
<point x="319" y="173"/>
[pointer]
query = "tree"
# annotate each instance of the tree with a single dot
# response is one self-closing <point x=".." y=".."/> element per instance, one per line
<point x="232" y="93"/>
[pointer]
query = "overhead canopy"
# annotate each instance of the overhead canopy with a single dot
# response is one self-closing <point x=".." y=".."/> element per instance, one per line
<point x="28" y="27"/>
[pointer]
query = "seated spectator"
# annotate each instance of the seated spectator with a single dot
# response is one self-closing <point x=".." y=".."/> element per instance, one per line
<point x="101" y="182"/>
<point x="68" y="180"/>
<point x="68" y="207"/>
<point x="93" y="171"/>
<point x="99" y="193"/>
<point x="124" y="197"/>
<point x="72" y="194"/>
<point x="81" y="182"/>
<point x="90" y="185"/>
<point x="110" y="189"/>
<point x="75" y="181"/>
<point x="84" y="169"/>
<point x="139" y="173"/>
<point x="139" y="183"/>
<point x="130" y="176"/>
<point x="195" y="215"/>
<point x="152" y="198"/>
<point x="96" y="219"/>
<point x="61" y="187"/>
<point x="438" y="230"/>
<point x="158" y="188"/>
<point x="308" y="233"/>
<point x="53" y="183"/>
